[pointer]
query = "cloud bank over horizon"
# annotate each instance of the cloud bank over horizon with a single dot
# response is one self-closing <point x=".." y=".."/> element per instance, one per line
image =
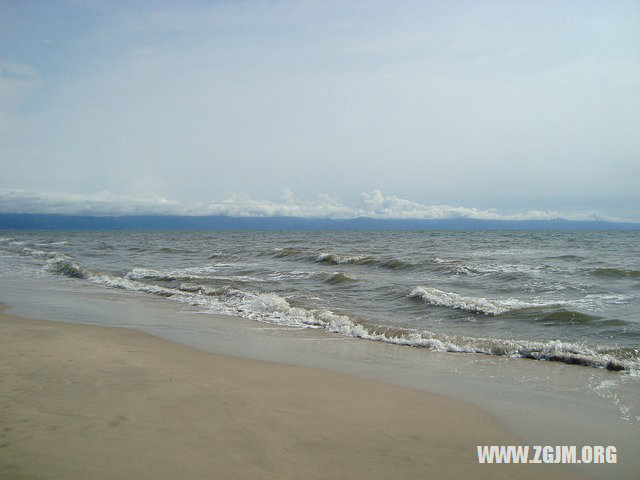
<point x="374" y="204"/>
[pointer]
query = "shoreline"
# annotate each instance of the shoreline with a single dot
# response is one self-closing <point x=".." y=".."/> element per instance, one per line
<point x="85" y="401"/>
<point x="539" y="403"/>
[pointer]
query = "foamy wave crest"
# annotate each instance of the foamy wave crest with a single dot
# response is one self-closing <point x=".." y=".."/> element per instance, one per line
<point x="275" y="309"/>
<point x="441" y="298"/>
<point x="558" y="351"/>
<point x="280" y="275"/>
<point x="40" y="253"/>
<point x="591" y="302"/>
<point x="334" y="259"/>
<point x="453" y="265"/>
<point x="64" y="265"/>
<point x="507" y="269"/>
<point x="203" y="273"/>
<point x="465" y="267"/>
<point x="554" y="350"/>
<point x="601" y="301"/>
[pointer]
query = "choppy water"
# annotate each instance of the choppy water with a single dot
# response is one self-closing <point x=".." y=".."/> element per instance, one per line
<point x="546" y="295"/>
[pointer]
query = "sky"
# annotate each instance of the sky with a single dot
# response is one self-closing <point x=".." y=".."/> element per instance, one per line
<point x="427" y="109"/>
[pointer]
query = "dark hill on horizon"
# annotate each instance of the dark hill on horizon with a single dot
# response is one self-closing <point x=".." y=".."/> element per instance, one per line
<point x="34" y="221"/>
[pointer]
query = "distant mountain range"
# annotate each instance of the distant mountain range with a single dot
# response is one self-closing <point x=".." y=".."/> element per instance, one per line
<point x="32" y="221"/>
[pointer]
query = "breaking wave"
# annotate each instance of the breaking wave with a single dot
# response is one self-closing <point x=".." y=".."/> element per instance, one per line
<point x="334" y="259"/>
<point x="329" y="258"/>
<point x="213" y="287"/>
<point x="63" y="265"/>
<point x="275" y="309"/>
<point x="594" y="302"/>
<point x="440" y="298"/>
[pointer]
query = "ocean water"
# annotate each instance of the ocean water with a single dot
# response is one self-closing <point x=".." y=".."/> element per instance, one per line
<point x="568" y="296"/>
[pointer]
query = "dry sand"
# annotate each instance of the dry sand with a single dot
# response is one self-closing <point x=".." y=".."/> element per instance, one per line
<point x="87" y="402"/>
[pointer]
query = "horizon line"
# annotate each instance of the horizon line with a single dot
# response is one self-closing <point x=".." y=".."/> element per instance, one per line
<point x="56" y="221"/>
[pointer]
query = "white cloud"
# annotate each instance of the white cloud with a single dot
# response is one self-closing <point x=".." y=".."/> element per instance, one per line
<point x="372" y="204"/>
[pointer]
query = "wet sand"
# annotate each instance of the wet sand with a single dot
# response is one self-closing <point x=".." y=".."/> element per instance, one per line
<point x="84" y="401"/>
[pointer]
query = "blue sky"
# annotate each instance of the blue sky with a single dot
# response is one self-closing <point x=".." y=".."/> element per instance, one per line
<point x="396" y="109"/>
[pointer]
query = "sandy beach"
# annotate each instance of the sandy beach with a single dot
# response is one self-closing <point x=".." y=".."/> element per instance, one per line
<point x="100" y="402"/>
<point x="319" y="240"/>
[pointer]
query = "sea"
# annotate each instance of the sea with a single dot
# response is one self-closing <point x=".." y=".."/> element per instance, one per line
<point x="555" y="296"/>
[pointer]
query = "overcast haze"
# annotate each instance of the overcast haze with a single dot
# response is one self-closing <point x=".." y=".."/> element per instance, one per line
<point x="431" y="109"/>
